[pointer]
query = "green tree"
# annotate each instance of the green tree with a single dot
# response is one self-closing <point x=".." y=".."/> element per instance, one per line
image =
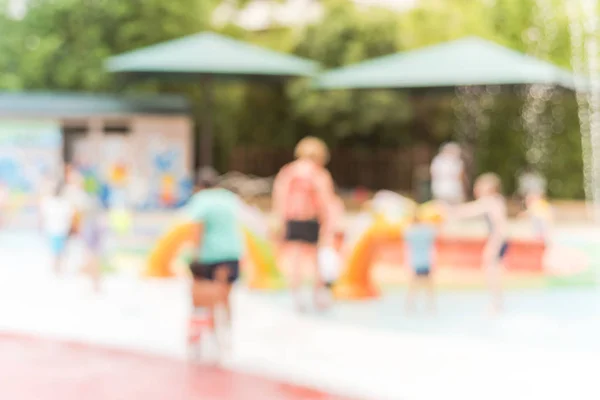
<point x="348" y="35"/>
<point x="539" y="28"/>
<point x="62" y="44"/>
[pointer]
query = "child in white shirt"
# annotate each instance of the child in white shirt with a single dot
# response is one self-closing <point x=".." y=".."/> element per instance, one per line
<point x="57" y="220"/>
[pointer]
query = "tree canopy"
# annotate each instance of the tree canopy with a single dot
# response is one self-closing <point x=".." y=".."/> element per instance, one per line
<point x="62" y="44"/>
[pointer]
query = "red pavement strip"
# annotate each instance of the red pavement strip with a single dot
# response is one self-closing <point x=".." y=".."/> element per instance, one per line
<point x="42" y="369"/>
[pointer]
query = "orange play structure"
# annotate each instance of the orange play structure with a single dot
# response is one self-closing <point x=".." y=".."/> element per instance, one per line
<point x="355" y="281"/>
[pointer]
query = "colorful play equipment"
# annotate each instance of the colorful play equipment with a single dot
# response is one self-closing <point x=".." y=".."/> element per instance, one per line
<point x="166" y="250"/>
<point x="261" y="267"/>
<point x="541" y="208"/>
<point x="262" y="271"/>
<point x="120" y="220"/>
<point x="430" y="212"/>
<point x="385" y="220"/>
<point x="525" y="255"/>
<point x="374" y="235"/>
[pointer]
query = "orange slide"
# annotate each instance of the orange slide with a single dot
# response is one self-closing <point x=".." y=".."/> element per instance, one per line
<point x="356" y="283"/>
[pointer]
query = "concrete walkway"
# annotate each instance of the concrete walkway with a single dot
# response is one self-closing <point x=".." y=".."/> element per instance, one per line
<point x="344" y="353"/>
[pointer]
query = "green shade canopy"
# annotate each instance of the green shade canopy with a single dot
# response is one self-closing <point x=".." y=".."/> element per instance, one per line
<point x="209" y="54"/>
<point x="470" y="61"/>
<point x="205" y="56"/>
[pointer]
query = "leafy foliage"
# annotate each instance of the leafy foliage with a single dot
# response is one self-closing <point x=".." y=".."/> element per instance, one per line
<point x="62" y="44"/>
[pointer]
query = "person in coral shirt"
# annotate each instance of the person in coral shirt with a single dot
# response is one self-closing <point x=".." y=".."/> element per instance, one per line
<point x="303" y="198"/>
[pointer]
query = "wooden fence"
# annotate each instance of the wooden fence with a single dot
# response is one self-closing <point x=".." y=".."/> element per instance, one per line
<point x="379" y="168"/>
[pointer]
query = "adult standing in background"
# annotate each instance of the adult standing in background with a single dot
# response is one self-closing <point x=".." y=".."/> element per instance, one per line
<point x="448" y="175"/>
<point x="303" y="201"/>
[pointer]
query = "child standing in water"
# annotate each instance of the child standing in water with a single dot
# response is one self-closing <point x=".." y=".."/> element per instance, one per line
<point x="420" y="250"/>
<point x="539" y="211"/>
<point x="490" y="204"/>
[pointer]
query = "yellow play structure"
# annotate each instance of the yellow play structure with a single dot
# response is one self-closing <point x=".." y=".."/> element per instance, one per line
<point x="261" y="272"/>
<point x="385" y="219"/>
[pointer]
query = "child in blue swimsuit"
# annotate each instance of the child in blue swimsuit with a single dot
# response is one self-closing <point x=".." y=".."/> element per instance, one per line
<point x="490" y="204"/>
<point x="419" y="241"/>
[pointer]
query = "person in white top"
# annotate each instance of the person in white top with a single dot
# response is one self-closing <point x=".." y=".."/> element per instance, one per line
<point x="57" y="219"/>
<point x="447" y="175"/>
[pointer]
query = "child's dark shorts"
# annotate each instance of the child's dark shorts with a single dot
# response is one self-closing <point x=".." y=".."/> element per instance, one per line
<point x="423" y="271"/>
<point x="202" y="271"/>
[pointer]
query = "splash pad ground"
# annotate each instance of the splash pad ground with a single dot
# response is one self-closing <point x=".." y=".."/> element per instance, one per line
<point x="129" y="253"/>
<point x="365" y="350"/>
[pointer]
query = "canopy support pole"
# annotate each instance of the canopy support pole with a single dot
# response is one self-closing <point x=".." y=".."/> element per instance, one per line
<point x="205" y="144"/>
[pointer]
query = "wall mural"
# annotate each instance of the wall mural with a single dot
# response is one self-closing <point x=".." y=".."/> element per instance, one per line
<point x="115" y="170"/>
<point x="30" y="152"/>
<point x="86" y="166"/>
<point x="156" y="178"/>
<point x="171" y="182"/>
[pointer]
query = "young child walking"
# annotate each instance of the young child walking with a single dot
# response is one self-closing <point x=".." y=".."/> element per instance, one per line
<point x="419" y="242"/>
<point x="490" y="204"/>
<point x="539" y="211"/>
<point x="57" y="220"/>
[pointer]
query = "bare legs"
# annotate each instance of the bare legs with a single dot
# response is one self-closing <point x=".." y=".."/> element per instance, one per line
<point x="58" y="244"/>
<point x="93" y="268"/>
<point x="204" y="295"/>
<point x="207" y="296"/>
<point x="420" y="282"/>
<point x="493" y="271"/>
<point x="224" y="299"/>
<point x="57" y="264"/>
<point x="300" y="257"/>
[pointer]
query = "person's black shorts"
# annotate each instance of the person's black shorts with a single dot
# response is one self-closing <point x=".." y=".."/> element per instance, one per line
<point x="423" y="271"/>
<point x="202" y="271"/>
<point x="302" y="231"/>
<point x="503" y="251"/>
